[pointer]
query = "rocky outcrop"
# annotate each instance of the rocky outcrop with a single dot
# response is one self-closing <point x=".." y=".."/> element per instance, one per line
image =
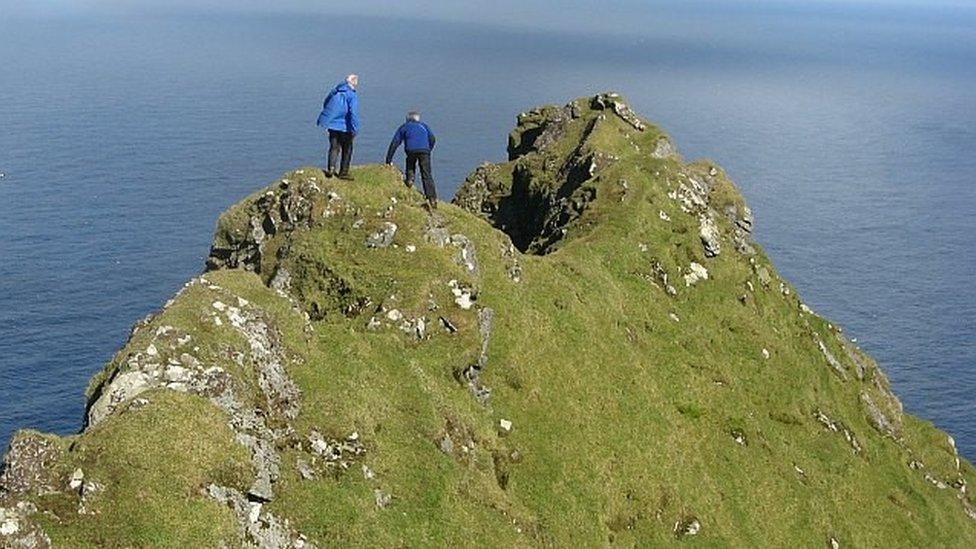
<point x="29" y="465"/>
<point x="168" y="363"/>
<point x="608" y="387"/>
<point x="243" y="235"/>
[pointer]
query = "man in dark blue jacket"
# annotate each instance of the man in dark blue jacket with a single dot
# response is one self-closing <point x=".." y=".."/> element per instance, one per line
<point x="340" y="115"/>
<point x="418" y="142"/>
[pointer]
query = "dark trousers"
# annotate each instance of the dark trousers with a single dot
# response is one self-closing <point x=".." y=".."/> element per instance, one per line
<point x="340" y="143"/>
<point x="422" y="158"/>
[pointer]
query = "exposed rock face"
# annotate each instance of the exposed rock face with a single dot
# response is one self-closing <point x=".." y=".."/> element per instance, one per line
<point x="159" y="368"/>
<point x="28" y="466"/>
<point x="283" y="209"/>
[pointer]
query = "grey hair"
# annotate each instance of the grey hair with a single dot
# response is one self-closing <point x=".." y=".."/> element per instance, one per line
<point x="413" y="115"/>
<point x="352" y="80"/>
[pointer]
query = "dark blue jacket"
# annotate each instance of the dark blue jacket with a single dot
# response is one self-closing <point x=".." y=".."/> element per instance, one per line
<point x="416" y="137"/>
<point x="340" y="111"/>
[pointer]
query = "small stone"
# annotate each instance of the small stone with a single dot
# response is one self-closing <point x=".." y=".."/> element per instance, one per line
<point x="368" y="473"/>
<point x="9" y="526"/>
<point x="447" y="445"/>
<point x="151" y="350"/>
<point x="219" y="306"/>
<point x="664" y="216"/>
<point x="394" y="315"/>
<point x="696" y="272"/>
<point x="674" y="317"/>
<point x="305" y="470"/>
<point x="382" y="498"/>
<point x="383" y="237"/>
<point x="505" y="425"/>
<point x="687" y="527"/>
<point x="765" y="354"/>
<point x="448" y="325"/>
<point x="410" y="248"/>
<point x="77" y="478"/>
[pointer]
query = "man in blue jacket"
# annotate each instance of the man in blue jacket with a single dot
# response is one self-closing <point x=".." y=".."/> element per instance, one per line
<point x="340" y="115"/>
<point x="418" y="140"/>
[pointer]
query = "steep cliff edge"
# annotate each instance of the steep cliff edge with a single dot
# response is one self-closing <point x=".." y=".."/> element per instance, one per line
<point x="588" y="348"/>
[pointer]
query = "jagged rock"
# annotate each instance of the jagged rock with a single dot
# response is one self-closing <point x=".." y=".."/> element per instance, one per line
<point x="283" y="208"/>
<point x="472" y="374"/>
<point x="696" y="273"/>
<point x="838" y="427"/>
<point x="464" y="296"/>
<point x="267" y="358"/>
<point x="878" y="419"/>
<point x="257" y="527"/>
<point x="832" y="361"/>
<point x="709" y="236"/>
<point x="382" y="499"/>
<point x="383" y="237"/>
<point x="664" y="149"/>
<point x="621" y="109"/>
<point x="688" y="526"/>
<point x="28" y="467"/>
<point x="76" y="480"/>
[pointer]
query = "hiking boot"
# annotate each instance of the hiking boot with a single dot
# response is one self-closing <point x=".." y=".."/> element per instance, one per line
<point x="346" y="177"/>
<point x="328" y="173"/>
<point x="432" y="204"/>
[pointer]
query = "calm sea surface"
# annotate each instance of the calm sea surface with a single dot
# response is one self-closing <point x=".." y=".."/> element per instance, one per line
<point x="851" y="131"/>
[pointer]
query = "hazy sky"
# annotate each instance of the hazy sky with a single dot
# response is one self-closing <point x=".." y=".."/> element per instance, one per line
<point x="541" y="12"/>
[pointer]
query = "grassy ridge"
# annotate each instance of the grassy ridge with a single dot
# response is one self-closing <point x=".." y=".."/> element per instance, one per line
<point x="638" y="416"/>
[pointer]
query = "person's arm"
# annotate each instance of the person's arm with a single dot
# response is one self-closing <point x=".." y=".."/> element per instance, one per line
<point x="354" y="114"/>
<point x="394" y="144"/>
<point x="328" y="105"/>
<point x="431" y="140"/>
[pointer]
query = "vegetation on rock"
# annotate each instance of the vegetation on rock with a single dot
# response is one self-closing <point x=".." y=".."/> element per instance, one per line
<point x="587" y="348"/>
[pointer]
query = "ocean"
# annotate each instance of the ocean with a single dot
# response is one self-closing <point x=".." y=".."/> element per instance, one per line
<point x="850" y="128"/>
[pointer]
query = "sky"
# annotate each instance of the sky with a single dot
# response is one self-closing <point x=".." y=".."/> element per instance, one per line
<point x="539" y="12"/>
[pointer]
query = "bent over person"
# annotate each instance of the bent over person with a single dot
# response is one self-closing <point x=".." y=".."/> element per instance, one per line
<point x="340" y="115"/>
<point x="418" y="142"/>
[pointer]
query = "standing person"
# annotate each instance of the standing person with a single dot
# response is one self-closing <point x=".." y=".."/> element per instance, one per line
<point x="340" y="115"/>
<point x="418" y="140"/>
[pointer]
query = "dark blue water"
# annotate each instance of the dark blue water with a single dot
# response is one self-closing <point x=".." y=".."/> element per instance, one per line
<point x="851" y="130"/>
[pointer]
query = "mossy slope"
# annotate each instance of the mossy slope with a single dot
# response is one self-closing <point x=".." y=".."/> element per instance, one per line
<point x="570" y="379"/>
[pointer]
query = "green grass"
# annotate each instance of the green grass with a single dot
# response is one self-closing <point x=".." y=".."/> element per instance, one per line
<point x="623" y="419"/>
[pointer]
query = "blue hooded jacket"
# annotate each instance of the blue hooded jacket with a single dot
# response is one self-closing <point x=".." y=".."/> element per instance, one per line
<point x="416" y="137"/>
<point x="340" y="111"/>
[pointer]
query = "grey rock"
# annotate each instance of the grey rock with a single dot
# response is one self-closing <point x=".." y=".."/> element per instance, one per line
<point x="832" y="361"/>
<point x="664" y="148"/>
<point x="382" y="499"/>
<point x="710" y="239"/>
<point x="383" y="237"/>
<point x="28" y="466"/>
<point x="878" y="418"/>
<point x="687" y="526"/>
<point x="257" y="527"/>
